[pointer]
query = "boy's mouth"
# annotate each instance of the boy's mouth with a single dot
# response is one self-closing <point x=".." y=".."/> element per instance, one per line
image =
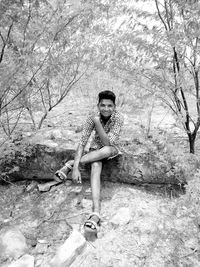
<point x="106" y="113"/>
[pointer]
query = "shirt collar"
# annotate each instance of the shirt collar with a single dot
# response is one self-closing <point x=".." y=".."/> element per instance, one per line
<point x="111" y="117"/>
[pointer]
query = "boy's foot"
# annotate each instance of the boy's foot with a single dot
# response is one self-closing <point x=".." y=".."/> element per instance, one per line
<point x="91" y="226"/>
<point x="61" y="175"/>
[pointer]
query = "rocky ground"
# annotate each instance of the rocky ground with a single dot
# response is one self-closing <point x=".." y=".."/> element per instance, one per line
<point x="155" y="230"/>
<point x="152" y="232"/>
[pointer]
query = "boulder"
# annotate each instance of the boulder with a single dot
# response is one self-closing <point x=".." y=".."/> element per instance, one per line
<point x="12" y="243"/>
<point x="67" y="253"/>
<point x="24" y="261"/>
<point x="41" y="162"/>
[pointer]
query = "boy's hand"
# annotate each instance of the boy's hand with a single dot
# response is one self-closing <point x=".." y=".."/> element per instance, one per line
<point x="76" y="176"/>
<point x="96" y="119"/>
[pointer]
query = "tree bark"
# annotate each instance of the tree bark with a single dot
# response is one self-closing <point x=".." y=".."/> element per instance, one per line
<point x="192" y="138"/>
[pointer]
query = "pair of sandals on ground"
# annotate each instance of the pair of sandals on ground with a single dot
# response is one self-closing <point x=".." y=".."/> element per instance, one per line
<point x="92" y="224"/>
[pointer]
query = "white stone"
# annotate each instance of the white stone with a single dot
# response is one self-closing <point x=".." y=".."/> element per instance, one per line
<point x="24" y="261"/>
<point x="12" y="243"/>
<point x="122" y="217"/>
<point x="56" y="134"/>
<point x="67" y="253"/>
<point x="48" y="143"/>
<point x="41" y="248"/>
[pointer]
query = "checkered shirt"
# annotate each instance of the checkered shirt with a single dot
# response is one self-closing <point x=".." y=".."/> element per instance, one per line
<point x="112" y="127"/>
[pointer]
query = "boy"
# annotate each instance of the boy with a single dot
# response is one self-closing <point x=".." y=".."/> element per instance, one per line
<point x="107" y="125"/>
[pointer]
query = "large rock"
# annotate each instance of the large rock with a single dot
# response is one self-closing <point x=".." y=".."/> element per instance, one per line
<point x="24" y="261"/>
<point x="41" y="161"/>
<point x="67" y="253"/>
<point x="12" y="243"/>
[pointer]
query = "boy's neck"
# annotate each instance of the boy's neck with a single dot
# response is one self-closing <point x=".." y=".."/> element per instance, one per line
<point x="105" y="119"/>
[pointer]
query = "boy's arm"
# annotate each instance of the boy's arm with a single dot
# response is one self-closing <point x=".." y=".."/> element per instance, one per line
<point x="87" y="130"/>
<point x="115" y="131"/>
<point x="113" y="136"/>
<point x="76" y="176"/>
<point x="101" y="132"/>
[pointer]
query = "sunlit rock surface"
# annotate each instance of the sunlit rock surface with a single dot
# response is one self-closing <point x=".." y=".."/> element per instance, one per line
<point x="43" y="161"/>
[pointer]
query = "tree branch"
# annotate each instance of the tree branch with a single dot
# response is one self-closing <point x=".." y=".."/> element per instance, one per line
<point x="160" y="16"/>
<point x="27" y="22"/>
<point x="5" y="42"/>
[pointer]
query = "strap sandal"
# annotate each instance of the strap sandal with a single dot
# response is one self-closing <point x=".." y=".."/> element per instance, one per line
<point x="61" y="175"/>
<point x="92" y="225"/>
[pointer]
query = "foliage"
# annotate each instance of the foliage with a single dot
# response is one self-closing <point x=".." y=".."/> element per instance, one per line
<point x="174" y="48"/>
<point x="43" y="55"/>
<point x="154" y="44"/>
<point x="163" y="156"/>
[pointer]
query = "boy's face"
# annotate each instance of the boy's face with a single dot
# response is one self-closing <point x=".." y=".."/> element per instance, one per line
<point x="106" y="107"/>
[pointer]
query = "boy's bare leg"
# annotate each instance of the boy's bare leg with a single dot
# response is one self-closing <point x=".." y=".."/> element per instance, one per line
<point x="96" y="168"/>
<point x="94" y="156"/>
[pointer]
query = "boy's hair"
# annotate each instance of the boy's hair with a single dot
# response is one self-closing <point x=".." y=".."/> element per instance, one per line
<point x="107" y="95"/>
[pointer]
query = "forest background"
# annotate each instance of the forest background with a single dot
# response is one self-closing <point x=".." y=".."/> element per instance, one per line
<point x="57" y="55"/>
<point x="60" y="54"/>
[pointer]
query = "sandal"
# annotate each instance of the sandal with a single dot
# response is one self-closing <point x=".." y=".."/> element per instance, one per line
<point x="91" y="225"/>
<point x="61" y="175"/>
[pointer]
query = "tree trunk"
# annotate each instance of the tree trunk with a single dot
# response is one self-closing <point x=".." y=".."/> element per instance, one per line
<point x="192" y="138"/>
<point x="42" y="120"/>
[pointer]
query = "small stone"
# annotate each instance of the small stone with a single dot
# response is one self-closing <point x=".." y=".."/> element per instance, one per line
<point x="42" y="241"/>
<point x="68" y="252"/>
<point x="24" y="261"/>
<point x="31" y="242"/>
<point x="47" y="186"/>
<point x="77" y="189"/>
<point x="6" y="220"/>
<point x="56" y="134"/>
<point x="31" y="187"/>
<point x="78" y="129"/>
<point x="41" y="248"/>
<point x="122" y="217"/>
<point x="12" y="243"/>
<point x="48" y="143"/>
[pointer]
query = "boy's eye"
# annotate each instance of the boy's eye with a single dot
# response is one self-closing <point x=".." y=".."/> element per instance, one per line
<point x="103" y="106"/>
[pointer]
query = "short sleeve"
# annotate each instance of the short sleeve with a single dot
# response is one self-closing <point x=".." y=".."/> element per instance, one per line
<point x="115" y="130"/>
<point x="88" y="127"/>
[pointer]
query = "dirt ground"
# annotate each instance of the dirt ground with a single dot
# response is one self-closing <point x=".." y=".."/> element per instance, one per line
<point x="157" y="234"/>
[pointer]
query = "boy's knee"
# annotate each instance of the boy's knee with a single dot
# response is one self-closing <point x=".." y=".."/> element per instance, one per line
<point x="96" y="164"/>
<point x="110" y="151"/>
